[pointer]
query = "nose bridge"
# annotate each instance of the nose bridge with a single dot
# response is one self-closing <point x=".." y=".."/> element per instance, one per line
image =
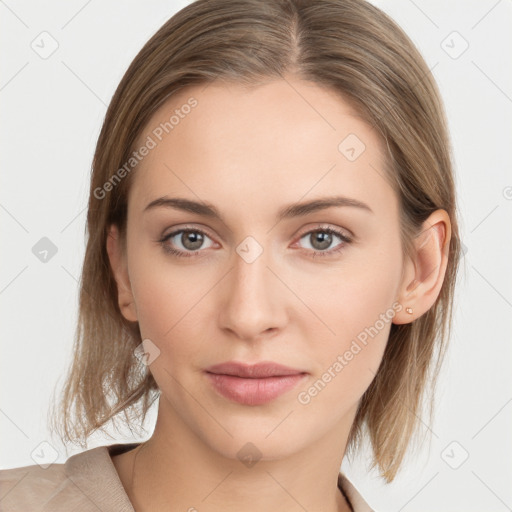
<point x="253" y="302"/>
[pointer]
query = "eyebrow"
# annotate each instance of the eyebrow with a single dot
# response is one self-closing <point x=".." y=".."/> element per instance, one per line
<point x="290" y="211"/>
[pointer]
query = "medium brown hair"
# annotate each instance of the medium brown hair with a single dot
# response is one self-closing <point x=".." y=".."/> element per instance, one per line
<point x="348" y="46"/>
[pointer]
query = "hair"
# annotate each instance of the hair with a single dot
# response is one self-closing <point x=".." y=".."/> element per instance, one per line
<point x="348" y="46"/>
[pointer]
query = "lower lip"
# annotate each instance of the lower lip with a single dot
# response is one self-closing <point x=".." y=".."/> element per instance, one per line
<point x="253" y="391"/>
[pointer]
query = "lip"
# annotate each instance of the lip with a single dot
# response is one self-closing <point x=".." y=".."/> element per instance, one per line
<point x="253" y="384"/>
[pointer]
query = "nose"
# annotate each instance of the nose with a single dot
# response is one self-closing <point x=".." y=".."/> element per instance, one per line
<point x="253" y="299"/>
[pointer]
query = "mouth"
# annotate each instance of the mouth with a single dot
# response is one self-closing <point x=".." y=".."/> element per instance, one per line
<point x="253" y="384"/>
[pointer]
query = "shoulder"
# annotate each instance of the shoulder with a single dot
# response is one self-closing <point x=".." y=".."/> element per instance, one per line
<point x="86" y="481"/>
<point x="28" y="487"/>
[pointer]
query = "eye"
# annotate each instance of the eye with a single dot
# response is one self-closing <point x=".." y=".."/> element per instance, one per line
<point x="322" y="238"/>
<point x="191" y="241"/>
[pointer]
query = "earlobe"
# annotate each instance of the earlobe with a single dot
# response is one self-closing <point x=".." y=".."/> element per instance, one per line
<point x="119" y="268"/>
<point x="424" y="273"/>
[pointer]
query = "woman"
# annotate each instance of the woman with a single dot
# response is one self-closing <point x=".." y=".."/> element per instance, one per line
<point x="272" y="252"/>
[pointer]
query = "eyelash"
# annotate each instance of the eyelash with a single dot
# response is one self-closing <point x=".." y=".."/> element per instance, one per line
<point x="182" y="254"/>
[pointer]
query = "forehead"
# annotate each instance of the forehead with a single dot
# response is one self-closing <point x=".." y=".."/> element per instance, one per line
<point x="272" y="143"/>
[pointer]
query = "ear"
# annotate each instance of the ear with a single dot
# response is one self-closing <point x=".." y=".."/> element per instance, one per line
<point x="424" y="273"/>
<point x="119" y="267"/>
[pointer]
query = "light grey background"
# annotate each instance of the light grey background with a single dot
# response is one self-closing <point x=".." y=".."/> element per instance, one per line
<point x="52" y="110"/>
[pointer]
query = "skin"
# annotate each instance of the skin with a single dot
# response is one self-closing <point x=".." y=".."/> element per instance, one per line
<point x="249" y="153"/>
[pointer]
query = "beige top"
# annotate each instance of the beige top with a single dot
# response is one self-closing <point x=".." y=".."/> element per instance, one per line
<point x="89" y="481"/>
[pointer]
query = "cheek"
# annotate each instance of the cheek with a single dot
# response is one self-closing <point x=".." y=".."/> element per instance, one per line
<point x="175" y="314"/>
<point x="347" y="361"/>
<point x="170" y="304"/>
<point x="355" y="294"/>
<point x="356" y="312"/>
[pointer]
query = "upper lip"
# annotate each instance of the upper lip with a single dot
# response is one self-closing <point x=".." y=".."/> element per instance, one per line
<point x="253" y="371"/>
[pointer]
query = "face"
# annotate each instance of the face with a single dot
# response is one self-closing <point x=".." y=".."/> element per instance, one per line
<point x="313" y="289"/>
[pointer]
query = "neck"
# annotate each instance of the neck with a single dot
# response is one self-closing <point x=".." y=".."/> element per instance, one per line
<point x="175" y="471"/>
